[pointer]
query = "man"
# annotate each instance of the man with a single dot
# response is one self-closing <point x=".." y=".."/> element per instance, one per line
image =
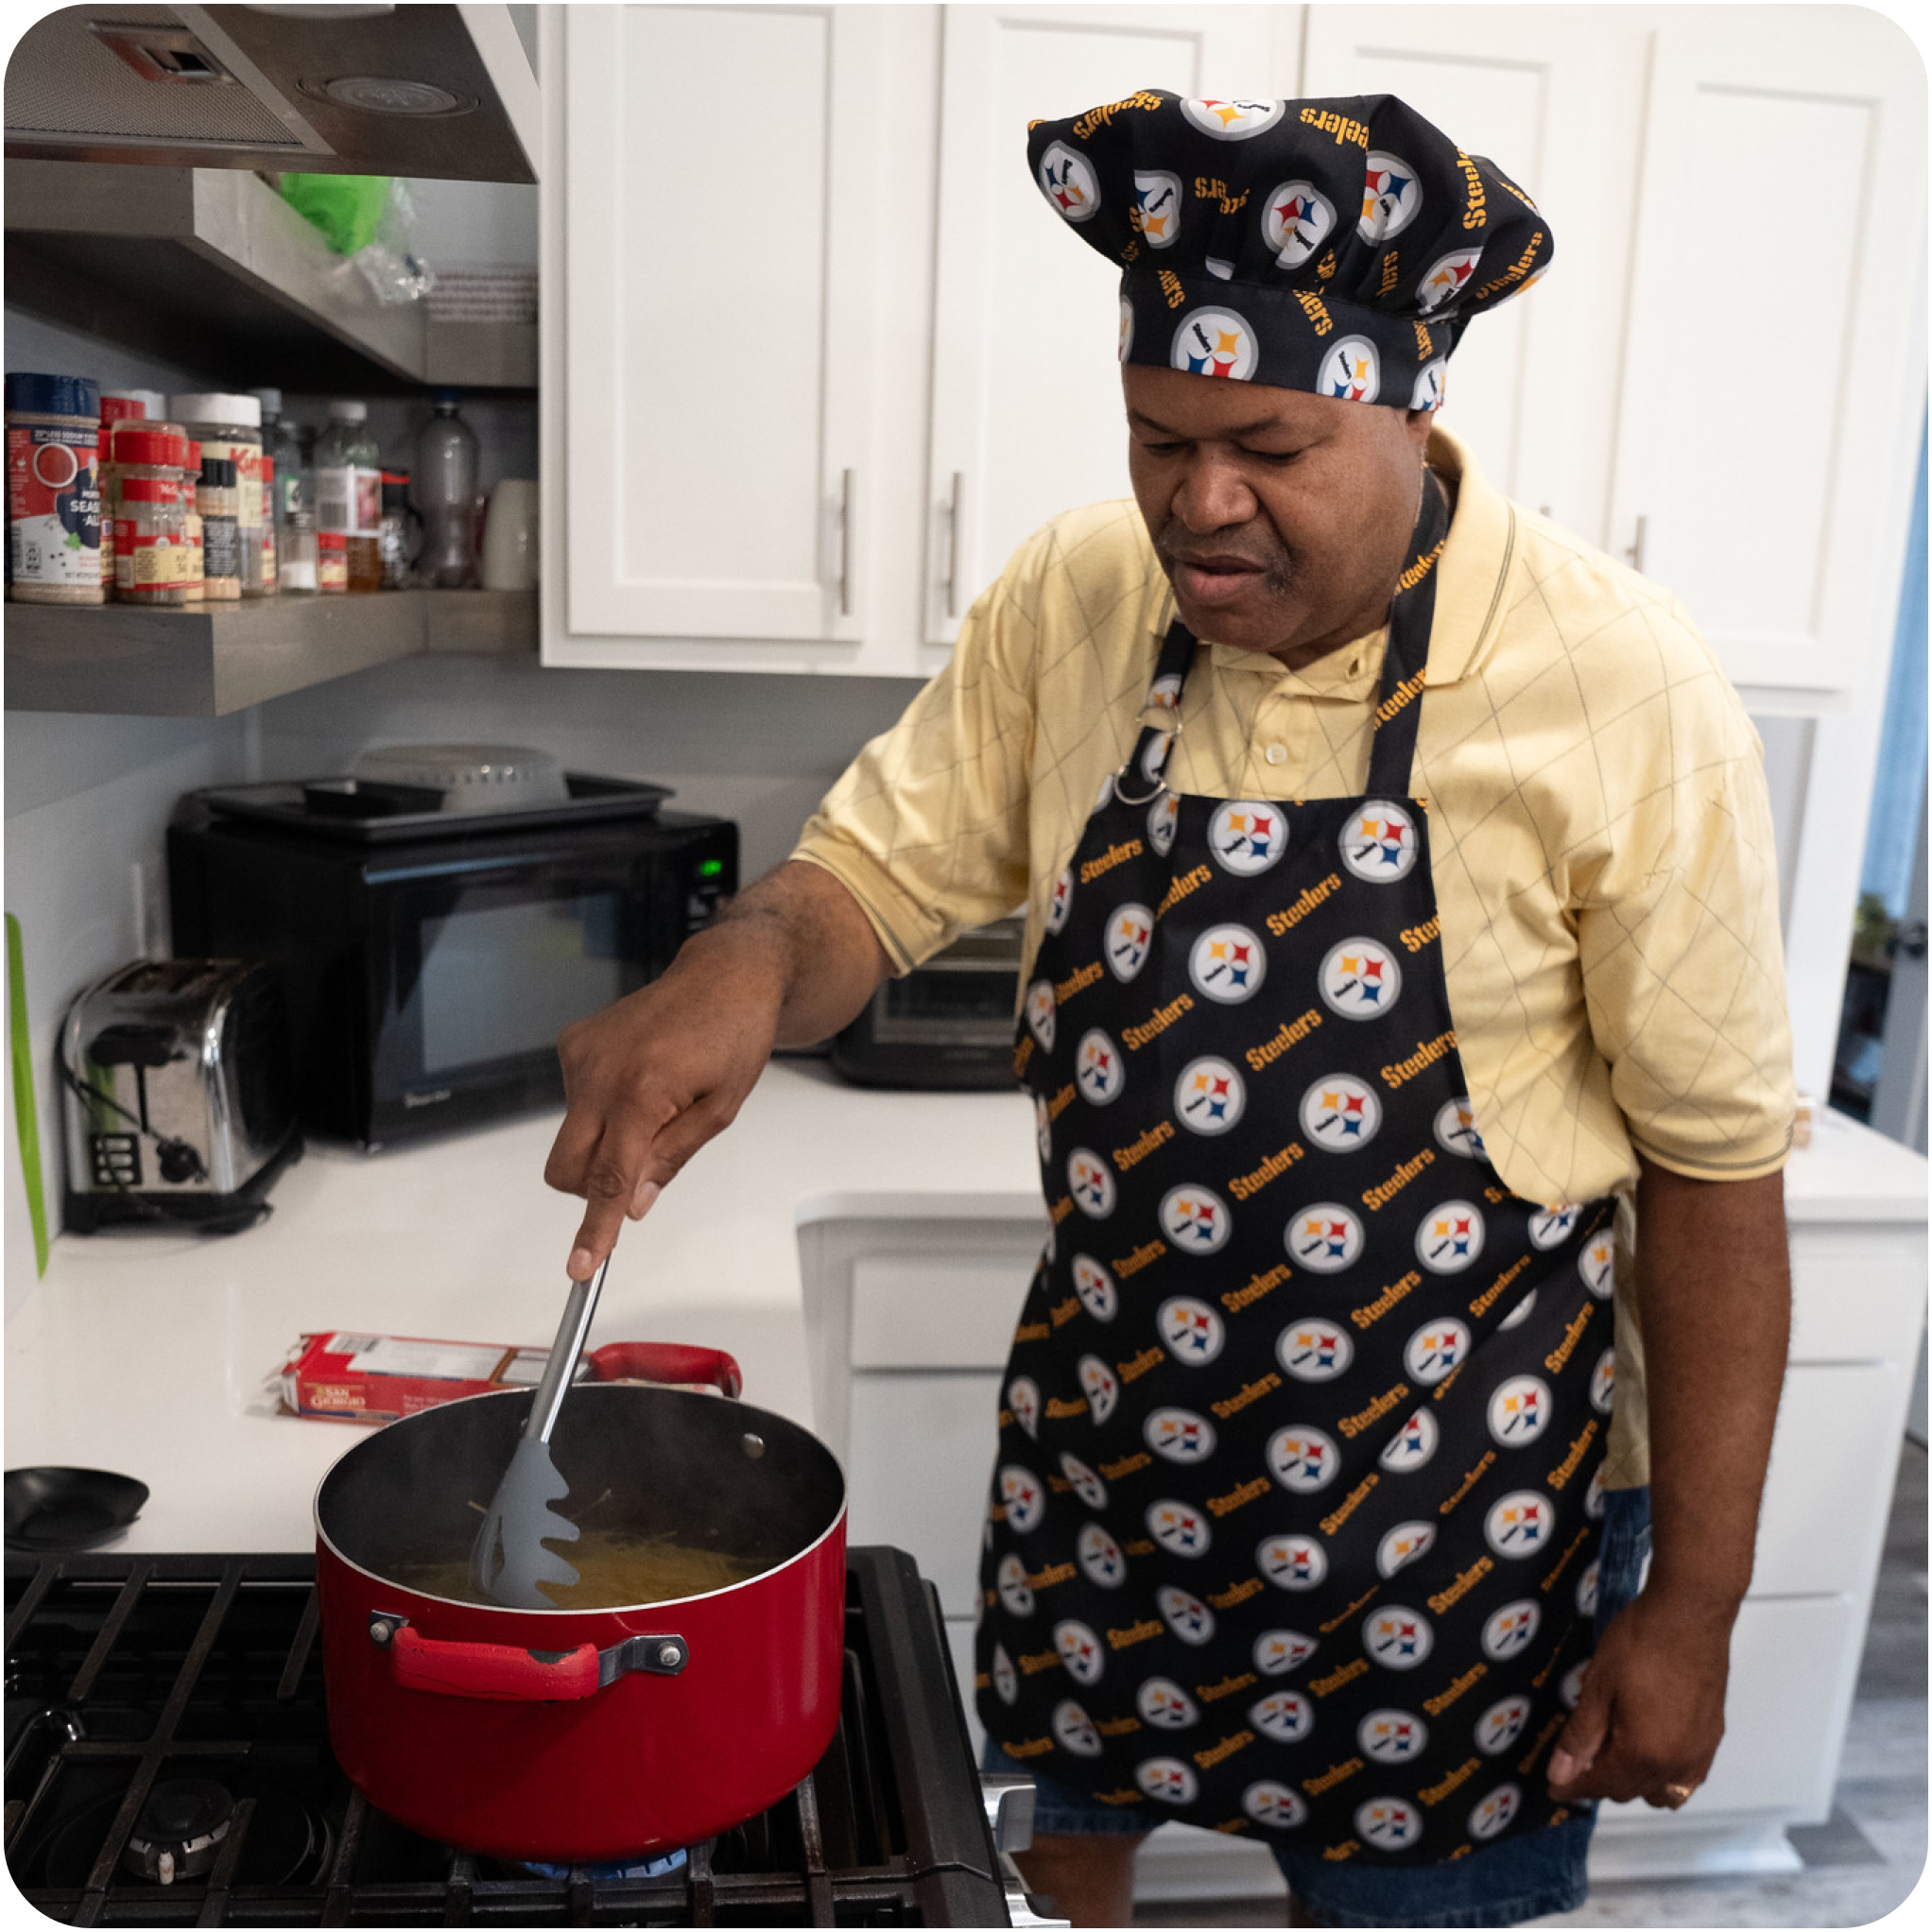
<point x="1401" y="907"/>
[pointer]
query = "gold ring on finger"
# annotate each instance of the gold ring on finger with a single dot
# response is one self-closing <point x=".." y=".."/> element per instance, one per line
<point x="1679" y="1794"/>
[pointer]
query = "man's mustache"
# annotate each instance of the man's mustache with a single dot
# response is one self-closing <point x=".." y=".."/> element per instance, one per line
<point x="1174" y="543"/>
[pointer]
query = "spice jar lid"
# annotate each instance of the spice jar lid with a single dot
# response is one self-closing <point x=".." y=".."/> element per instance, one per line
<point x="217" y="407"/>
<point x="331" y="539"/>
<point x="148" y="490"/>
<point x="159" y="446"/>
<point x="118" y="403"/>
<point x="53" y="395"/>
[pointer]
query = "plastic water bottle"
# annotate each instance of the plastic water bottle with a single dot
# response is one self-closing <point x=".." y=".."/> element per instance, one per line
<point x="444" y="490"/>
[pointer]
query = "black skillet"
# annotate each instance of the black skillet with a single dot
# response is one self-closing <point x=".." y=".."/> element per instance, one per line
<point x="54" y="1510"/>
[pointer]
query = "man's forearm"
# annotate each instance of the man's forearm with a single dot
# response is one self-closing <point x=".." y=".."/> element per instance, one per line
<point x="1715" y="1297"/>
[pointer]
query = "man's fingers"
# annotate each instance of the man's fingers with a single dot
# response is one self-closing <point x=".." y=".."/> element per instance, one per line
<point x="1583" y="1737"/>
<point x="609" y="1182"/>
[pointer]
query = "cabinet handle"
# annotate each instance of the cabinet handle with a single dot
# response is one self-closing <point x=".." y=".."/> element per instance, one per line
<point x="845" y="543"/>
<point x="953" y="545"/>
<point x="1635" y="553"/>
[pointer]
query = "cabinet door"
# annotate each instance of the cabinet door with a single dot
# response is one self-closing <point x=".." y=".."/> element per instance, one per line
<point x="1774" y="375"/>
<point x="716" y="168"/>
<point x="1027" y="413"/>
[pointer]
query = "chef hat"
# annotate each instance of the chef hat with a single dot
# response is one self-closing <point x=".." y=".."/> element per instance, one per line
<point x="1336" y="245"/>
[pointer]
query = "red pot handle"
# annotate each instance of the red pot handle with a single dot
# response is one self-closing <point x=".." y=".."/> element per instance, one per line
<point x="500" y="1671"/>
<point x="667" y="1361"/>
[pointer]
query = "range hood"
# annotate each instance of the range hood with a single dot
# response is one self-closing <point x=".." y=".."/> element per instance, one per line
<point x="439" y="93"/>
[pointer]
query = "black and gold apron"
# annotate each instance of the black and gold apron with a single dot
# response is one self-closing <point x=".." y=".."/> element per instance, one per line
<point x="1294" y="1525"/>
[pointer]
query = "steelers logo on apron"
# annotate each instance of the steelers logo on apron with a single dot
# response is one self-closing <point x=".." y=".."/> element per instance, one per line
<point x="1301" y="1438"/>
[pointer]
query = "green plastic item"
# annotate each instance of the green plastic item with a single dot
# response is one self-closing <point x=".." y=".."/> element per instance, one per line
<point x="346" y="208"/>
<point x="27" y="1119"/>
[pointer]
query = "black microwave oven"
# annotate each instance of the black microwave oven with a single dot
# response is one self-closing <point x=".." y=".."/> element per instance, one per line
<point x="432" y="958"/>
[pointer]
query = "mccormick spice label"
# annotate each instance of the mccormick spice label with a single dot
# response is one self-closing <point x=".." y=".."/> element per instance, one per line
<point x="53" y="505"/>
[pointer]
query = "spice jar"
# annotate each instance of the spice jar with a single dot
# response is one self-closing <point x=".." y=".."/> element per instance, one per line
<point x="191" y="515"/>
<point x="153" y="453"/>
<point x="53" y="490"/>
<point x="218" y="499"/>
<point x="152" y="543"/>
<point x="332" y="561"/>
<point x="298" y="554"/>
<point x="229" y="428"/>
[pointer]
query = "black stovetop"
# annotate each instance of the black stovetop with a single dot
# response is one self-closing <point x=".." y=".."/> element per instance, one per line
<point x="134" y="1681"/>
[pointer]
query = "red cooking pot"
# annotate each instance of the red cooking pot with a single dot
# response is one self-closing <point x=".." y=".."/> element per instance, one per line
<point x="574" y="1736"/>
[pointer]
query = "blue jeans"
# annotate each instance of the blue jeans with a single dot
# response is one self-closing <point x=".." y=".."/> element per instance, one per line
<point x="1500" y="1884"/>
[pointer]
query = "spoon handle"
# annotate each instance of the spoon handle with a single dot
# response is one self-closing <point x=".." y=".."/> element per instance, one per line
<point x="579" y="1307"/>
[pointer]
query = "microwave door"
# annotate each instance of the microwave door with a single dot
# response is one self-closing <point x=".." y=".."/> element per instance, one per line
<point x="488" y="964"/>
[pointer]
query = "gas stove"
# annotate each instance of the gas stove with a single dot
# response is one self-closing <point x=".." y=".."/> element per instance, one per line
<point x="168" y="1763"/>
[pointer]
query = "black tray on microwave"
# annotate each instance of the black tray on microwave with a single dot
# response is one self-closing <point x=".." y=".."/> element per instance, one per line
<point x="367" y="811"/>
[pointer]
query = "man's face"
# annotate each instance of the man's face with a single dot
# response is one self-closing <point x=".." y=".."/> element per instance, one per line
<point x="1282" y="518"/>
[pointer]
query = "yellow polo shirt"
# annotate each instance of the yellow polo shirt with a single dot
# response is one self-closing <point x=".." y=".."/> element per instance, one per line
<point x="1599" y="831"/>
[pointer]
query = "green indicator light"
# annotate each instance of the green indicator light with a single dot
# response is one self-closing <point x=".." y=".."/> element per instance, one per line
<point x="710" y="867"/>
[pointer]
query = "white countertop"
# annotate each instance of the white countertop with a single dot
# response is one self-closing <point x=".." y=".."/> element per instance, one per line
<point x="153" y="1352"/>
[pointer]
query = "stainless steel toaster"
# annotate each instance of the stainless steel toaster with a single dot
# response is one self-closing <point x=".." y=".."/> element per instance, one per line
<point x="176" y="1093"/>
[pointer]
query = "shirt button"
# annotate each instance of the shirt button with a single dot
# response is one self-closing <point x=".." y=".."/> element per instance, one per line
<point x="1276" y="755"/>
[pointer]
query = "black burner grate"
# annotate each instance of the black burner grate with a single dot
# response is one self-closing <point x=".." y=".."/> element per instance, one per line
<point x="127" y="1675"/>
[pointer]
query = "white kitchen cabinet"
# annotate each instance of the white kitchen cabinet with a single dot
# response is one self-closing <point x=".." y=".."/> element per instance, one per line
<point x="1027" y="416"/>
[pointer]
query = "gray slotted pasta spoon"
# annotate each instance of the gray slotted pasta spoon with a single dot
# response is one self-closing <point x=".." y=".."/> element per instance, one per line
<point x="508" y="1558"/>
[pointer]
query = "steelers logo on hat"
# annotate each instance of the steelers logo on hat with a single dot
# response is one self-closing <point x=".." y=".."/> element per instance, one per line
<point x="1403" y="1544"/>
<point x="1285" y="1715"/>
<point x="1100" y="1556"/>
<point x="1378" y="843"/>
<point x="1094" y="1287"/>
<point x="1102" y="1390"/>
<point x="1391" y="1737"/>
<point x="1097" y="1068"/>
<point x="1492" y="1814"/>
<point x="1080" y="1650"/>
<point x="1006" y="1680"/>
<point x="1185" y="1614"/>
<point x="1450" y="1237"/>
<point x="1043" y="1127"/>
<point x="1023" y="1398"/>
<point x="1166" y="1780"/>
<point x="1156" y="213"/>
<point x="1234" y="120"/>
<point x="1359" y="980"/>
<point x="1519" y="1410"/>
<point x="1215" y="341"/>
<point x="1161" y="817"/>
<point x="1040" y="1012"/>
<point x="1431" y="383"/>
<point x="1069" y="183"/>
<point x="1195" y="1219"/>
<point x="1073" y="1730"/>
<point x="1413" y="1443"/>
<point x="1193" y="1332"/>
<point x="1340" y="1113"/>
<point x="1292" y="1563"/>
<point x="1519" y="1313"/>
<point x="1390" y="1824"/>
<point x="1571" y="1688"/>
<point x="1129" y="934"/>
<point x="1597" y="1265"/>
<point x="1391" y="197"/>
<point x="1302" y="1459"/>
<point x="1501" y="1725"/>
<point x="1009" y="1580"/>
<point x="1445" y="279"/>
<point x="1519" y="1524"/>
<point x="1510" y="1631"/>
<point x="1246" y="838"/>
<point x="1086" y="1485"/>
<point x="1314" y="1350"/>
<point x="1180" y="1528"/>
<point x="1549" y="1227"/>
<point x="1210" y="1095"/>
<point x="1228" y="964"/>
<point x="1268" y="1802"/>
<point x="1295" y="220"/>
<point x="1090" y="1181"/>
<point x="1396" y="1637"/>
<point x="1163" y="1703"/>
<point x="1178" y="1435"/>
<point x="1603" y="1382"/>
<point x="1586" y="1589"/>
<point x="1277" y="1652"/>
<point x="1456" y="1131"/>
<point x="1351" y="371"/>
<point x="1324" y="1238"/>
<point x="1024" y="1496"/>
<point x="1126" y="344"/>
<point x="1435" y="1349"/>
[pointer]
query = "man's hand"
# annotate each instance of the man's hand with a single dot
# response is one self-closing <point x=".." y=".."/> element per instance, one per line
<point x="648" y="1080"/>
<point x="1652" y="1709"/>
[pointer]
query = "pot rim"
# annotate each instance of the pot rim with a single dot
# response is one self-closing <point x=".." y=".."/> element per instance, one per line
<point x="324" y="1538"/>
